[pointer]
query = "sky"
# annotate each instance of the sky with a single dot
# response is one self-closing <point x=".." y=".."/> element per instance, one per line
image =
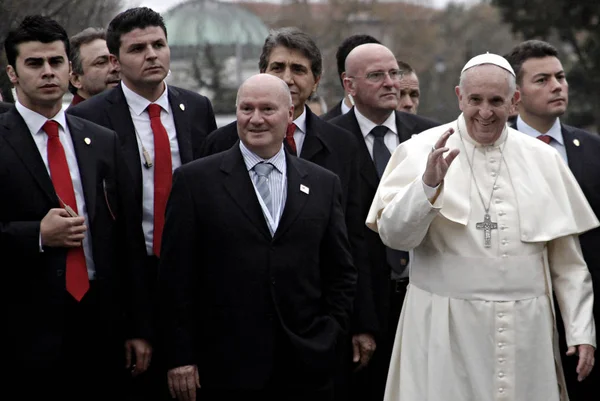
<point x="163" y="5"/>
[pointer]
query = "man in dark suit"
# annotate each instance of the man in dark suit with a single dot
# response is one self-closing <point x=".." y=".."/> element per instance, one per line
<point x="4" y="107"/>
<point x="73" y="291"/>
<point x="373" y="80"/>
<point x="293" y="56"/>
<point x="343" y="50"/>
<point x="159" y="127"/>
<point x="544" y="98"/>
<point x="256" y="274"/>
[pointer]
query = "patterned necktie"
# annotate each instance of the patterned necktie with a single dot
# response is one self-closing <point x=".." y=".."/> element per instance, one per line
<point x="77" y="279"/>
<point x="381" y="154"/>
<point x="289" y="138"/>
<point x="163" y="174"/>
<point x="263" y="170"/>
<point x="545" y="138"/>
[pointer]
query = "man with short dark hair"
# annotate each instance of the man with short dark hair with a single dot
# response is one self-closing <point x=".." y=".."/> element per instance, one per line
<point x="256" y="274"/>
<point x="542" y="82"/>
<point x="372" y="77"/>
<point x="92" y="70"/>
<point x="343" y="50"/>
<point x="160" y="127"/>
<point x="74" y="295"/>
<point x="410" y="92"/>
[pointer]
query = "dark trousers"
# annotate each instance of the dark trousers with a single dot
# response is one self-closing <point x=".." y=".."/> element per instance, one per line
<point x="290" y="380"/>
<point x="368" y="384"/>
<point x="589" y="389"/>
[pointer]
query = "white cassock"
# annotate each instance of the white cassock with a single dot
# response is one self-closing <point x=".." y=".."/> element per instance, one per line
<point x="478" y="323"/>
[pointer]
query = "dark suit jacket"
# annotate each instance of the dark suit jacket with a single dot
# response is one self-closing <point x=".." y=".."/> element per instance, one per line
<point x="4" y="107"/>
<point x="192" y="113"/>
<point x="336" y="150"/>
<point x="33" y="288"/>
<point x="407" y="125"/>
<point x="336" y="111"/>
<point x="228" y="285"/>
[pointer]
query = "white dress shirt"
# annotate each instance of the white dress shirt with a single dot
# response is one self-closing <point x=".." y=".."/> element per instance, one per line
<point x="145" y="139"/>
<point x="555" y="132"/>
<point x="391" y="137"/>
<point x="35" y="122"/>
<point x="277" y="182"/>
<point x="300" y="132"/>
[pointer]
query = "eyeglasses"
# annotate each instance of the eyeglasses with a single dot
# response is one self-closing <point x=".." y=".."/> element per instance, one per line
<point x="378" y="76"/>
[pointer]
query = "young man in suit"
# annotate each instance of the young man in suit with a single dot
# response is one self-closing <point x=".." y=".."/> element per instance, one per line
<point x="373" y="79"/>
<point x="73" y="292"/>
<point x="346" y="47"/>
<point x="544" y="90"/>
<point x="293" y="56"/>
<point x="160" y="127"/>
<point x="256" y="274"/>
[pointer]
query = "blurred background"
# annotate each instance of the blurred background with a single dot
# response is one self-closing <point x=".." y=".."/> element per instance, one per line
<point x="215" y="45"/>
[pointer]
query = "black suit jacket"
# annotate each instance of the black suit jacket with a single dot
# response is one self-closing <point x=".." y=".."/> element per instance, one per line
<point x="228" y="286"/>
<point x="407" y="125"/>
<point x="4" y="107"/>
<point x="33" y="289"/>
<point x="336" y="111"/>
<point x="336" y="150"/>
<point x="192" y="113"/>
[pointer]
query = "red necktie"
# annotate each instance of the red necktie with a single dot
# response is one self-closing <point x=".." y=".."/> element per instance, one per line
<point x="545" y="138"/>
<point x="163" y="174"/>
<point x="289" y="138"/>
<point x="77" y="277"/>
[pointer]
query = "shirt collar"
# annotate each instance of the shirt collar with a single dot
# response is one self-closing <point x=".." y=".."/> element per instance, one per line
<point x="252" y="159"/>
<point x="138" y="104"/>
<point x="367" y="125"/>
<point x="35" y="120"/>
<point x="301" y="121"/>
<point x="345" y="108"/>
<point x="555" y="131"/>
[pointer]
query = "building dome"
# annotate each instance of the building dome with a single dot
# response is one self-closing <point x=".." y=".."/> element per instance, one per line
<point x="209" y="22"/>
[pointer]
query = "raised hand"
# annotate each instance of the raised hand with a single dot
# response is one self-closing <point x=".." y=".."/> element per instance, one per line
<point x="437" y="164"/>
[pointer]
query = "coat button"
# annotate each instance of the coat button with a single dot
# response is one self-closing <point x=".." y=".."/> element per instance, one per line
<point x="60" y="272"/>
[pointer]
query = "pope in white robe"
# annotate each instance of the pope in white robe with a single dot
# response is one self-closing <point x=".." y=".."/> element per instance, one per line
<point x="478" y="322"/>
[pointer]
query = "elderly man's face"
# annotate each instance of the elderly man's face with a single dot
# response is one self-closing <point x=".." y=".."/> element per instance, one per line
<point x="263" y="114"/>
<point x="485" y="102"/>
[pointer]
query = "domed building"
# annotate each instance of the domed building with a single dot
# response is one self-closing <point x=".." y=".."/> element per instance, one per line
<point x="214" y="47"/>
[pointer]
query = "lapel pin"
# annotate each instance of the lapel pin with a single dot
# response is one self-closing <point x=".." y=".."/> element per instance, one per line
<point x="182" y="106"/>
<point x="304" y="188"/>
<point x="576" y="142"/>
<point x="87" y="141"/>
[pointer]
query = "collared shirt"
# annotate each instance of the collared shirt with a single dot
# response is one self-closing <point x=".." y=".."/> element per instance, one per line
<point x="145" y="139"/>
<point x="390" y="139"/>
<point x="277" y="182"/>
<point x="345" y="108"/>
<point x="300" y="132"/>
<point x="555" y="132"/>
<point x="35" y="122"/>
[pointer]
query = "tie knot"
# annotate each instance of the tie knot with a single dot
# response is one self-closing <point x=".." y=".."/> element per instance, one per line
<point x="545" y="138"/>
<point x="379" y="131"/>
<point x="290" y="130"/>
<point x="263" y="169"/>
<point x="154" y="110"/>
<point x="50" y="127"/>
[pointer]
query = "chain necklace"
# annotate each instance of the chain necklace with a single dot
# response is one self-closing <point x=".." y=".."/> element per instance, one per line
<point x="486" y="225"/>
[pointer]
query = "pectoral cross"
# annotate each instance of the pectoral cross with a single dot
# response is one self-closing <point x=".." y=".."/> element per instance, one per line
<point x="487" y="226"/>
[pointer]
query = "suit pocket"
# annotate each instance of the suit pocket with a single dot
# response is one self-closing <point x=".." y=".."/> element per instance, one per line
<point x="110" y="197"/>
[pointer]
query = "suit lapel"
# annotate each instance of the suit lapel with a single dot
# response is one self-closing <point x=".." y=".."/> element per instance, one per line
<point x="120" y="121"/>
<point x="182" y="125"/>
<point x="86" y="160"/>
<point x="404" y="127"/>
<point x="295" y="198"/>
<point x="574" y="152"/>
<point x="237" y="182"/>
<point x="313" y="143"/>
<point x="367" y="171"/>
<point x="20" y="139"/>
